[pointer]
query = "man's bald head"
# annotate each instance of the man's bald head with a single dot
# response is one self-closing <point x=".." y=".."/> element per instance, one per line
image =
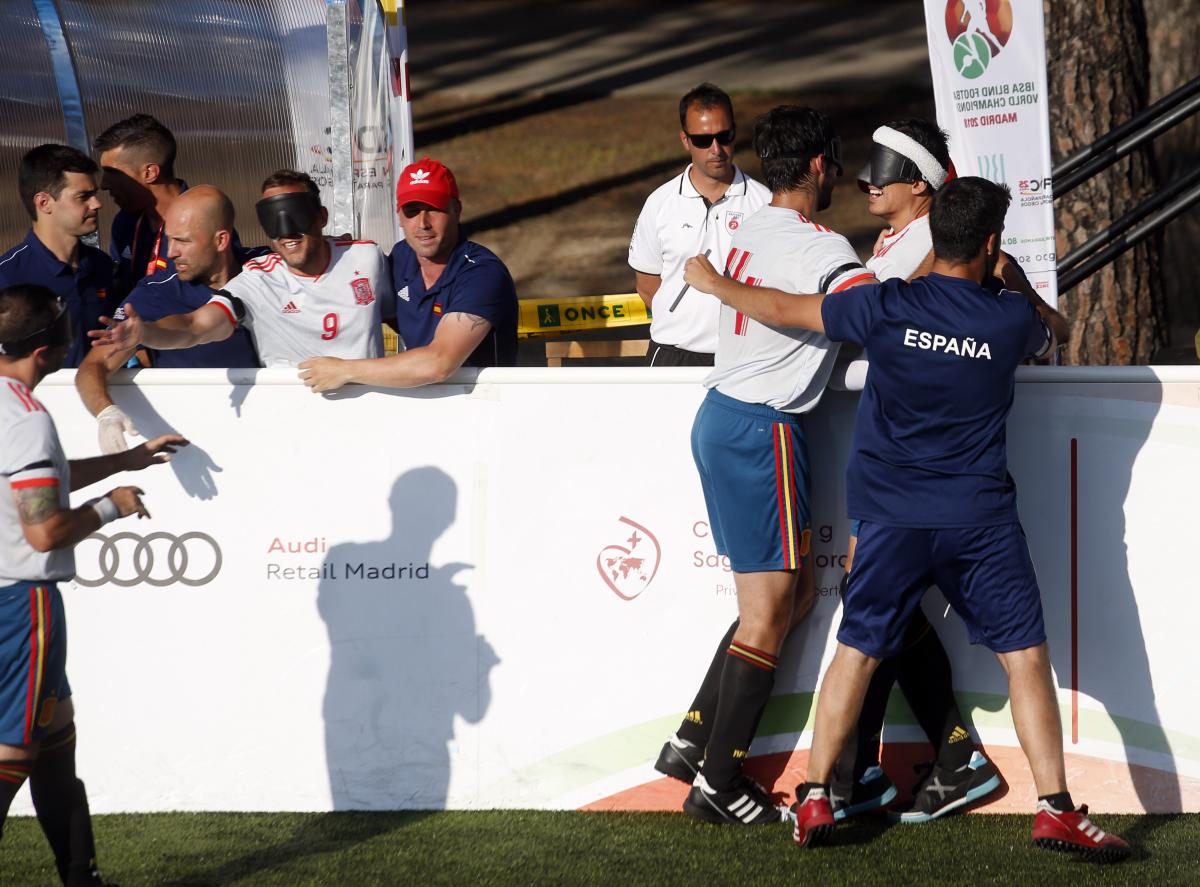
<point x="199" y="225"/>
<point x="207" y="206"/>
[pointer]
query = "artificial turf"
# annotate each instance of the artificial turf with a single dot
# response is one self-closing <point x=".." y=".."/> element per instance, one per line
<point x="626" y="849"/>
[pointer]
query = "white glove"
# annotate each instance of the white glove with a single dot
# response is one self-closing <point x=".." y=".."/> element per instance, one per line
<point x="114" y="425"/>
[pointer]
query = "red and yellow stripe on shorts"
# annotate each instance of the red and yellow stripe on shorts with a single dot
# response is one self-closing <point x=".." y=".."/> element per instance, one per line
<point x="793" y="537"/>
<point x="39" y="648"/>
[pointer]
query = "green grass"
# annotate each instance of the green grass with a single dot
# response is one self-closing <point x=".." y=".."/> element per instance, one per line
<point x="525" y="847"/>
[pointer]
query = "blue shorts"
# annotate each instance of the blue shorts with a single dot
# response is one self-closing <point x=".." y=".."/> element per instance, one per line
<point x="984" y="573"/>
<point x="753" y="466"/>
<point x="33" y="660"/>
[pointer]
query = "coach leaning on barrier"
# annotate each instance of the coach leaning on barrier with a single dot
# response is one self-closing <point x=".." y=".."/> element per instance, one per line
<point x="695" y="212"/>
<point x="456" y="304"/>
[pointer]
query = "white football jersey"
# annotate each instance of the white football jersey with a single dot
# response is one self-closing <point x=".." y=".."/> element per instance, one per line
<point x="293" y="317"/>
<point x="783" y="368"/>
<point x="902" y="252"/>
<point x="30" y="456"/>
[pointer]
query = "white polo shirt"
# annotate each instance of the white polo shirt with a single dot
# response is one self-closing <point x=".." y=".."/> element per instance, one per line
<point x="900" y="253"/>
<point x="675" y="224"/>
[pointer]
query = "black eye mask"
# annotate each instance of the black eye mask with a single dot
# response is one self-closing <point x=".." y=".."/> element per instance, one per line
<point x="290" y="214"/>
<point x="885" y="167"/>
<point x="58" y="332"/>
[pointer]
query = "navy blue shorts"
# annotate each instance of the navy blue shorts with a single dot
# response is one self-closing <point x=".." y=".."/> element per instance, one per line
<point x="753" y="466"/>
<point x="33" y="660"/>
<point x="984" y="573"/>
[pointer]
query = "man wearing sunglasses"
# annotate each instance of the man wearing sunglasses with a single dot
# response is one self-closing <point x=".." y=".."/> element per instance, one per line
<point x="697" y="211"/>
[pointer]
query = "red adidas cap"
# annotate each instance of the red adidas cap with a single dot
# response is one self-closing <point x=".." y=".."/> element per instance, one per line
<point x="426" y="181"/>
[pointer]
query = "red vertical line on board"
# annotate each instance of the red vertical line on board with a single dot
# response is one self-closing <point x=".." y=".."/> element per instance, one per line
<point x="1074" y="591"/>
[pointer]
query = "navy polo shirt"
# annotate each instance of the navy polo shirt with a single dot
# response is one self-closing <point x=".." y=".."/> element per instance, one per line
<point x="474" y="281"/>
<point x="87" y="289"/>
<point x="132" y="246"/>
<point x="164" y="294"/>
<point x="929" y="445"/>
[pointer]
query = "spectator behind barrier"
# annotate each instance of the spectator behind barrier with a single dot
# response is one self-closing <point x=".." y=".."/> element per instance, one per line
<point x="199" y="225"/>
<point x="456" y="302"/>
<point x="137" y="155"/>
<point x="58" y="189"/>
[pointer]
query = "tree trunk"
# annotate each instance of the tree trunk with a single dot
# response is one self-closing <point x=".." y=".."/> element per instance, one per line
<point x="1099" y="78"/>
<point x="1174" y="31"/>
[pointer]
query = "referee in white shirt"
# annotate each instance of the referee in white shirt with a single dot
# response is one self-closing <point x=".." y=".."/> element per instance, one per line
<point x="695" y="212"/>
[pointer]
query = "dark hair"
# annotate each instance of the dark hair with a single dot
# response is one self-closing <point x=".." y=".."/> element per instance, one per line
<point x="291" y="177"/>
<point x="704" y="96"/>
<point x="45" y="168"/>
<point x="928" y="135"/>
<point x="149" y="139"/>
<point x="786" y="139"/>
<point x="965" y="212"/>
<point x="25" y="309"/>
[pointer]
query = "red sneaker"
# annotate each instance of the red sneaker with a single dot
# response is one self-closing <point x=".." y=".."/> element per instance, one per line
<point x="814" y="819"/>
<point x="1075" y="833"/>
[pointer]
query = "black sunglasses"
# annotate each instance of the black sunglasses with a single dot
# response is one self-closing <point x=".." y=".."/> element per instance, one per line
<point x="705" y="139"/>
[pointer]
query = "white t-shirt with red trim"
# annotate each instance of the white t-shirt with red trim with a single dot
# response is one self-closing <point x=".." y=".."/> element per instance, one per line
<point x="902" y="252"/>
<point x="30" y="456"/>
<point x="293" y="317"/>
<point x="786" y="369"/>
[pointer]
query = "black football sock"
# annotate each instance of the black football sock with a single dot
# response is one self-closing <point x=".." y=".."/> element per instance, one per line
<point x="862" y="748"/>
<point x="1060" y="801"/>
<point x="12" y="776"/>
<point x="746" y="682"/>
<point x="925" y="678"/>
<point x="60" y="801"/>
<point x="697" y="723"/>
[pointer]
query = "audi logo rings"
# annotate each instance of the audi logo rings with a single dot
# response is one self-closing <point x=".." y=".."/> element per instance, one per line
<point x="186" y="560"/>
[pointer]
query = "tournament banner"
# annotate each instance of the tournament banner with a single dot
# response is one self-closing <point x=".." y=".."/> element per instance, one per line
<point x="988" y="59"/>
<point x="501" y="592"/>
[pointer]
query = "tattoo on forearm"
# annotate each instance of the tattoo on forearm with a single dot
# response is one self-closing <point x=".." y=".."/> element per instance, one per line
<point x="36" y="504"/>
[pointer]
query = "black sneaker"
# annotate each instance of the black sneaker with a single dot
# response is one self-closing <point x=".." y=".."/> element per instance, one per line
<point x="680" y="759"/>
<point x="872" y="791"/>
<point x="747" y="803"/>
<point x="946" y="790"/>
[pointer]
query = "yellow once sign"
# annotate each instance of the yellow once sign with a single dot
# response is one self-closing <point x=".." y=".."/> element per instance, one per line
<point x="550" y="317"/>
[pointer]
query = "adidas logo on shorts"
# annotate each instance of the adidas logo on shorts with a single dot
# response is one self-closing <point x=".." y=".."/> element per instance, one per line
<point x="290" y="308"/>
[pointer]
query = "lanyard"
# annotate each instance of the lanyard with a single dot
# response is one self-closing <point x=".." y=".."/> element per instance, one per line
<point x="156" y="261"/>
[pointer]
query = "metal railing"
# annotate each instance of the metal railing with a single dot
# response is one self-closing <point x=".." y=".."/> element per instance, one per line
<point x="1151" y="214"/>
<point x="1169" y="111"/>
